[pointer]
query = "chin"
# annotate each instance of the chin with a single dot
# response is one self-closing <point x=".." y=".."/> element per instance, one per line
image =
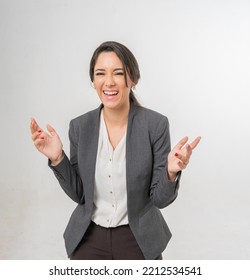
<point x="110" y="105"/>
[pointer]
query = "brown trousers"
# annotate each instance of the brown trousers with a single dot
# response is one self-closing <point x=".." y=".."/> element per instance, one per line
<point x="101" y="243"/>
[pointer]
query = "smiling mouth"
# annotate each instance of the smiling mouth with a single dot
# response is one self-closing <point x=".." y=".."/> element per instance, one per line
<point x="110" y="93"/>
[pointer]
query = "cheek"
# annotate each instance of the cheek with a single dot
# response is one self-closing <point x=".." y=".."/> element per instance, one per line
<point x="123" y="85"/>
<point x="97" y="83"/>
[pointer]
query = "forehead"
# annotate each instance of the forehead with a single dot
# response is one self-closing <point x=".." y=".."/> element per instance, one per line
<point x="108" y="60"/>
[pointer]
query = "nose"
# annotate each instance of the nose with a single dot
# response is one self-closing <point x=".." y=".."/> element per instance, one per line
<point x="109" y="81"/>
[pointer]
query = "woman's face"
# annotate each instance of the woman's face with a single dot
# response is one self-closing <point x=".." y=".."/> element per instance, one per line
<point x="109" y="81"/>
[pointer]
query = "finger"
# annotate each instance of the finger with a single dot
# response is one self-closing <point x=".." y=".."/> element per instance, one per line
<point x="182" y="158"/>
<point x="188" y="151"/>
<point x="195" y="142"/>
<point x="51" y="130"/>
<point x="34" y="126"/>
<point x="181" y="143"/>
<point x="36" y="134"/>
<point x="38" y="142"/>
<point x="182" y="165"/>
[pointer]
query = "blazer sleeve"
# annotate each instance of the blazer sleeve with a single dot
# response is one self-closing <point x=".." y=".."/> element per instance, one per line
<point x="162" y="191"/>
<point x="66" y="171"/>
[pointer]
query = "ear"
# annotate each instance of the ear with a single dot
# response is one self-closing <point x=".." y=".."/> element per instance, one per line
<point x="92" y="85"/>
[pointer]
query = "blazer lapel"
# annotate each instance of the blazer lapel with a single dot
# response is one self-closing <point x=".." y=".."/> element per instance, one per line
<point x="89" y="144"/>
<point x="130" y="153"/>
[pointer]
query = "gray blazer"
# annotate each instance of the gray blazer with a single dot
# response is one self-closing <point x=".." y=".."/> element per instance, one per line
<point x="148" y="189"/>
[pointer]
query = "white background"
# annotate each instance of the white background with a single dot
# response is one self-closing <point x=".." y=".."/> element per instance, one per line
<point x="194" y="58"/>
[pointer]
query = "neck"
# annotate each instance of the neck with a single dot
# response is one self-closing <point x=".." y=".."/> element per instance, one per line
<point x="116" y="117"/>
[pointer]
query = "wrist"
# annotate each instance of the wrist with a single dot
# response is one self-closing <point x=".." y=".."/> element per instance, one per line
<point x="172" y="176"/>
<point x="57" y="160"/>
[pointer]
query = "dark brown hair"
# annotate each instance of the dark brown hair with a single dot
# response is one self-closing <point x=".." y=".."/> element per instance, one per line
<point x="128" y="60"/>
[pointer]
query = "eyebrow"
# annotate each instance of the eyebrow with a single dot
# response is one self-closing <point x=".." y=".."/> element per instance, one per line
<point x="116" y="69"/>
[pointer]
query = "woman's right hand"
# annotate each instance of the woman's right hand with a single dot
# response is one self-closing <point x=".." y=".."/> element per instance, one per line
<point x="48" y="144"/>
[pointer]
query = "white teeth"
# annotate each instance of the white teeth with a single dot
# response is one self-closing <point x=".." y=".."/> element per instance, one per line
<point x="110" y="92"/>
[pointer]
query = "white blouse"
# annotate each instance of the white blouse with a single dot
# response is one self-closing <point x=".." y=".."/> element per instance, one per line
<point x="110" y="191"/>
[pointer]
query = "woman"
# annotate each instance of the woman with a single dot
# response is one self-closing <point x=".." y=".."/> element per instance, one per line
<point x="121" y="169"/>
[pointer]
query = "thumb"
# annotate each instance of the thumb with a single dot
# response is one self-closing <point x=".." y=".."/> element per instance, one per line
<point x="51" y="130"/>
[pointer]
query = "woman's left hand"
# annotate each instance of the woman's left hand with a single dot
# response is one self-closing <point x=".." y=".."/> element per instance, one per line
<point x="179" y="157"/>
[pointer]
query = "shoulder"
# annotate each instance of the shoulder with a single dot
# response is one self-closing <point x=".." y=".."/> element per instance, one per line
<point x="152" y="118"/>
<point x="87" y="119"/>
<point x="149" y="123"/>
